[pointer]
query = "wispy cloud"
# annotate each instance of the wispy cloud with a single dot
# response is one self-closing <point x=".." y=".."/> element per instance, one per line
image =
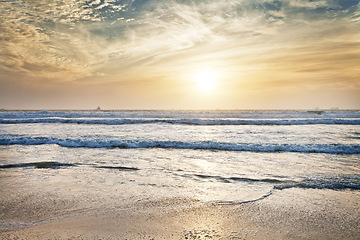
<point x="53" y="38"/>
<point x="80" y="36"/>
<point x="116" y="40"/>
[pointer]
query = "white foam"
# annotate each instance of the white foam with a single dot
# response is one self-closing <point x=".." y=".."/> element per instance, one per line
<point x="200" y="122"/>
<point x="204" y="145"/>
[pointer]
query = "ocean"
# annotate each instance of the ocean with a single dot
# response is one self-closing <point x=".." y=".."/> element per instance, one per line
<point x="106" y="159"/>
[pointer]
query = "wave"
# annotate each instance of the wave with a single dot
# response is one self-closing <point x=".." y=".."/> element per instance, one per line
<point x="333" y="183"/>
<point x="339" y="183"/>
<point x="119" y="168"/>
<point x="201" y="145"/>
<point x="237" y="179"/>
<point x="198" y="122"/>
<point x="38" y="165"/>
<point x="182" y="114"/>
<point x="56" y="165"/>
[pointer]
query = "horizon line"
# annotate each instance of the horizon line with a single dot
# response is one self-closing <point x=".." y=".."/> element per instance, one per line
<point x="173" y="109"/>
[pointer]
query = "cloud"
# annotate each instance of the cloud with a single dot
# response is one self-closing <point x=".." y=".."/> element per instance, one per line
<point x="52" y="39"/>
<point x="136" y="48"/>
<point x="80" y="39"/>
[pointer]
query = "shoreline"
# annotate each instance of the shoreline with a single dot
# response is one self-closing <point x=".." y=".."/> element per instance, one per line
<point x="286" y="214"/>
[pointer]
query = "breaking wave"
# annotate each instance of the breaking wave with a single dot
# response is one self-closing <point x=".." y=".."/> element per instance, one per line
<point x="201" y="145"/>
<point x="197" y="122"/>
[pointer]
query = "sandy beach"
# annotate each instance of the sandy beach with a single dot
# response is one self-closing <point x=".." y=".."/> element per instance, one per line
<point x="286" y="214"/>
<point x="180" y="119"/>
<point x="152" y="175"/>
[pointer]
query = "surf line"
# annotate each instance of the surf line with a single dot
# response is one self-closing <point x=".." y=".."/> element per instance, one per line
<point x="242" y="202"/>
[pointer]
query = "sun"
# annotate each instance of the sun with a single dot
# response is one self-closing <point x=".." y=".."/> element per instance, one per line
<point x="206" y="80"/>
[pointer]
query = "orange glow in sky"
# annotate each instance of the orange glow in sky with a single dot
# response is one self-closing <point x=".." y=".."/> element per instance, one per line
<point x="239" y="54"/>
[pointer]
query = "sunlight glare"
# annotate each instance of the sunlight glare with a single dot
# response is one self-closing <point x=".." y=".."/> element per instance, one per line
<point x="206" y="80"/>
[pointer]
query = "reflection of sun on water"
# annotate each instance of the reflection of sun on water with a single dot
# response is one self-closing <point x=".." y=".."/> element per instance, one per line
<point x="206" y="80"/>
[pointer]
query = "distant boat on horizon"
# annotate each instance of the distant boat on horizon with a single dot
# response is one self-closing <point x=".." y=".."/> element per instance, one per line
<point x="98" y="109"/>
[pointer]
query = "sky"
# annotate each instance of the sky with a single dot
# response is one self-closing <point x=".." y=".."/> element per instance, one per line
<point x="183" y="54"/>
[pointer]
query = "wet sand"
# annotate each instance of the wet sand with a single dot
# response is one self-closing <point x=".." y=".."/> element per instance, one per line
<point x="285" y="214"/>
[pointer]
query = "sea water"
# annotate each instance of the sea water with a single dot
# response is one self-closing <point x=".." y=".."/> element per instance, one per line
<point x="110" y="158"/>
